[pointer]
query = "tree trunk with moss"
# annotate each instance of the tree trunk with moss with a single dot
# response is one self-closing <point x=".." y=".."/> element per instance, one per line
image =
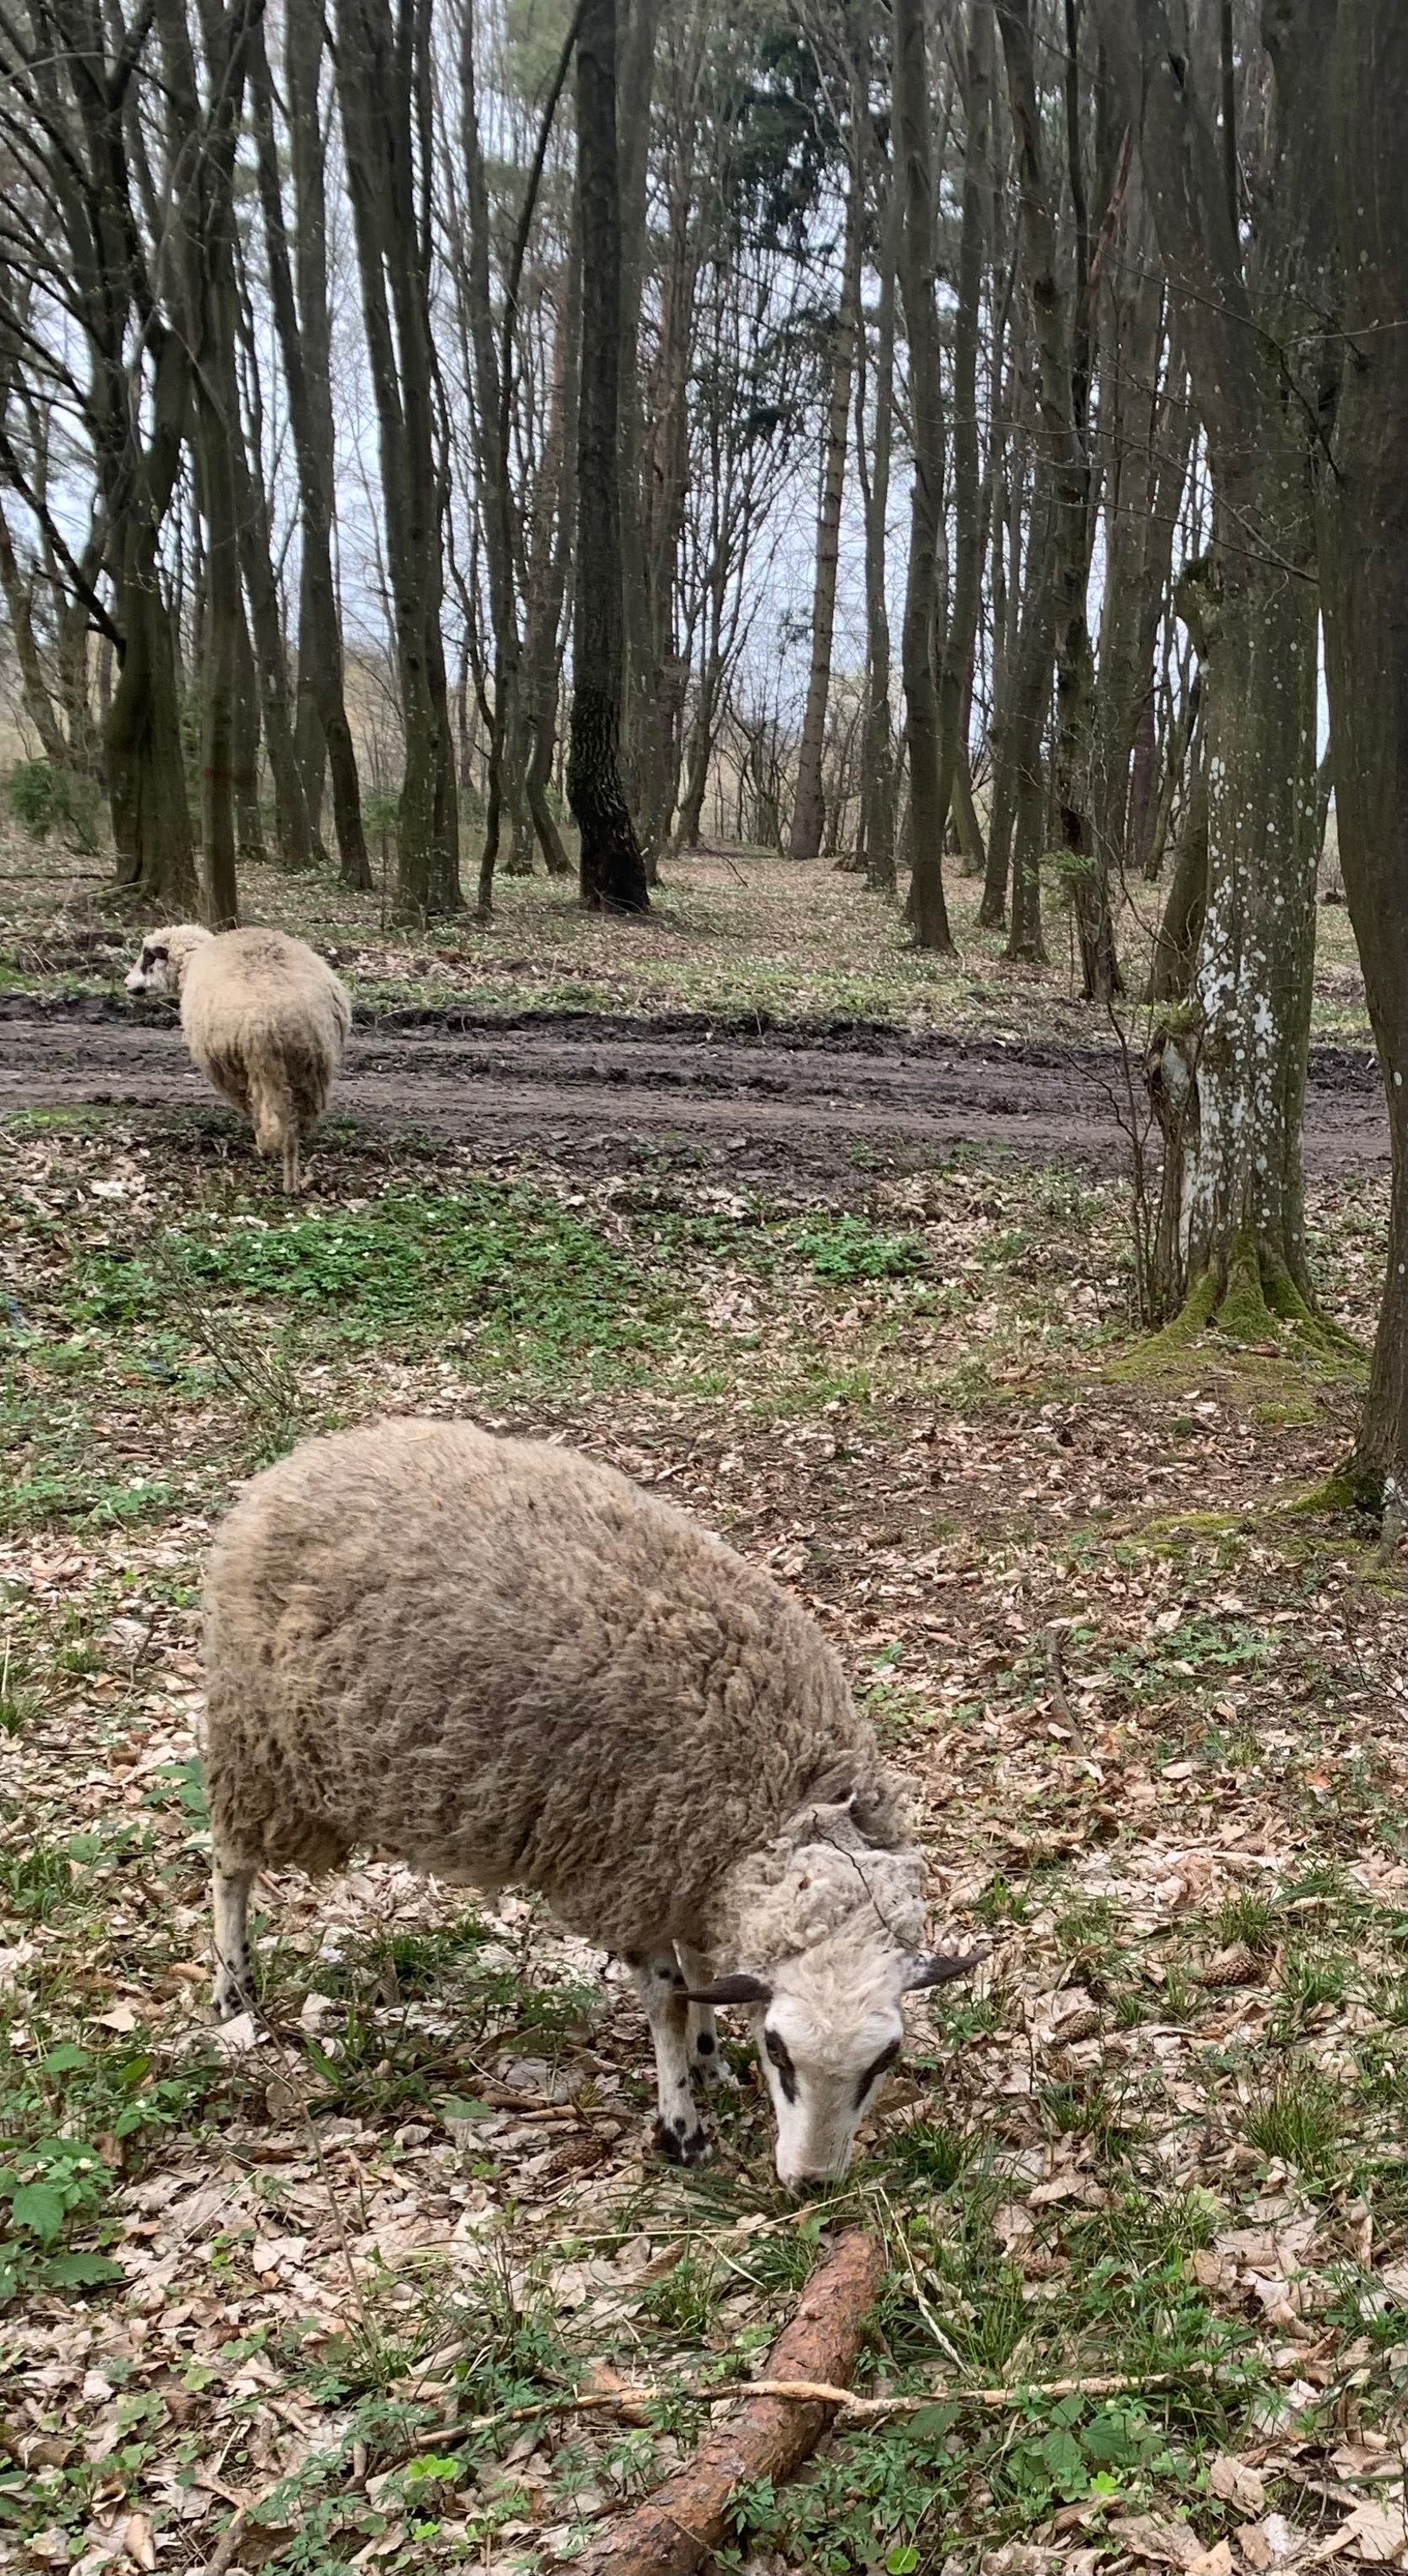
<point x="1363" y="549"/>
<point x="1252" y="981"/>
<point x="1243" y="316"/>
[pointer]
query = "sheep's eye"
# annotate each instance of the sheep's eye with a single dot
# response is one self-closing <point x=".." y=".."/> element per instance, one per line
<point x="873" y="2073"/>
<point x="786" y="2071"/>
<point x="159" y="956"/>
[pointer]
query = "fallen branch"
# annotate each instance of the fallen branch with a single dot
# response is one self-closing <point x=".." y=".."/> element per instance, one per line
<point x="677" y="2528"/>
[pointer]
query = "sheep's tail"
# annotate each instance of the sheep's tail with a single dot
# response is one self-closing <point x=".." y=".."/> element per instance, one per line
<point x="271" y="1107"/>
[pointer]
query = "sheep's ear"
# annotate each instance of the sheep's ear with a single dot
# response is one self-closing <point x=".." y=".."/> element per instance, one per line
<point x="939" y="1966"/>
<point x="744" y="1989"/>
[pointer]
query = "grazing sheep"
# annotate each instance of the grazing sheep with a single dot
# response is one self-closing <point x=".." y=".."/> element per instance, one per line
<point x="263" y="1017"/>
<point x="509" y="1665"/>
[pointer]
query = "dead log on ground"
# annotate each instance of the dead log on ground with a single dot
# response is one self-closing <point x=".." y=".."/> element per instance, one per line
<point x="682" y="2523"/>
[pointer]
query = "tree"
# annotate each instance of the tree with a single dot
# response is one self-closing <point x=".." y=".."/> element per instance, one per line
<point x="612" y="867"/>
<point x="300" y="311"/>
<point x="383" y="86"/>
<point x="1363" y="557"/>
<point x="804" y="839"/>
<point x="928" y="913"/>
<point x="1245" y="320"/>
<point x="67" y="110"/>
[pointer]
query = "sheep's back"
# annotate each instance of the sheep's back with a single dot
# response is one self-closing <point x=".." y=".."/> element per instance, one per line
<point x="509" y="1664"/>
<point x="258" y="992"/>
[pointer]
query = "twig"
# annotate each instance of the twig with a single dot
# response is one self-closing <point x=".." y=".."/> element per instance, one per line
<point x="632" y="2399"/>
<point x="1056" y="1684"/>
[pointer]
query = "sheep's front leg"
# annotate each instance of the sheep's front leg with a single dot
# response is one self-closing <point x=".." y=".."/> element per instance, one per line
<point x="705" y="2056"/>
<point x="679" y="2132"/>
<point x="234" y="1974"/>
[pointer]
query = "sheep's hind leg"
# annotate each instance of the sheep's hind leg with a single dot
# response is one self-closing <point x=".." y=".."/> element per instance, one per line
<point x="234" y="1972"/>
<point x="293" y="1177"/>
<point x="679" y="2132"/>
<point x="705" y="2055"/>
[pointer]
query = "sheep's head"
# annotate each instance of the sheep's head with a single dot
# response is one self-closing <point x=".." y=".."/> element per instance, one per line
<point x="835" y="1928"/>
<point x="164" y="957"/>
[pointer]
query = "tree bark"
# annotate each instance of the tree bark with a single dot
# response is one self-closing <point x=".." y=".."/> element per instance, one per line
<point x="612" y="868"/>
<point x="1363" y="555"/>
<point x="249" y="827"/>
<point x="878" y="798"/>
<point x="383" y="82"/>
<point x="956" y="657"/>
<point x="299" y="294"/>
<point x="927" y="911"/>
<point x="1243" y="330"/>
<point x="1062" y="334"/>
<point x="804" y="838"/>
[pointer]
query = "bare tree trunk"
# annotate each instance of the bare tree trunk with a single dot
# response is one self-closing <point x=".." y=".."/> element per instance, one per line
<point x="249" y="827"/>
<point x="34" y="690"/>
<point x="1181" y="927"/>
<point x="804" y="840"/>
<point x="1363" y="556"/>
<point x="383" y="81"/>
<point x="612" y="869"/>
<point x="1063" y="377"/>
<point x="323" y="733"/>
<point x="878" y="747"/>
<point x="1241" y="1231"/>
<point x="927" y="911"/>
<point x="547" y="586"/>
<point x="639" y="41"/>
<point x="956" y="658"/>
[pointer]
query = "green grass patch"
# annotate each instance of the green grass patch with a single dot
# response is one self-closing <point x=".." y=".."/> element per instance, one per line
<point x="526" y="1282"/>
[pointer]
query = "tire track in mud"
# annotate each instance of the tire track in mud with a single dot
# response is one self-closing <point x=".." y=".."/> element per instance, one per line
<point x="806" y="1102"/>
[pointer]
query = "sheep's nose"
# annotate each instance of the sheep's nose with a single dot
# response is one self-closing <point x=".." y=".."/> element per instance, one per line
<point x="800" y="2178"/>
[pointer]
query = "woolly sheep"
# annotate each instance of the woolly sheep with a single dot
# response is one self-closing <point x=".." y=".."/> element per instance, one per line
<point x="507" y="1664"/>
<point x="263" y="1017"/>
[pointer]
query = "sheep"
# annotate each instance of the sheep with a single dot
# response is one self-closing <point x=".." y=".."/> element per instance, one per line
<point x="263" y="1017"/>
<point x="504" y="1663"/>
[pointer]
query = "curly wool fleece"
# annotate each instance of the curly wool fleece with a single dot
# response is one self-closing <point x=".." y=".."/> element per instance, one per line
<point x="507" y="1665"/>
<point x="821" y="1881"/>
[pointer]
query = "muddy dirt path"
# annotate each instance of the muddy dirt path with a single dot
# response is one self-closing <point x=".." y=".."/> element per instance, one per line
<point x="807" y="1104"/>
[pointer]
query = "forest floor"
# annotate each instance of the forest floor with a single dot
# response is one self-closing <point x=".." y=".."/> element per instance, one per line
<point x="1152" y="1713"/>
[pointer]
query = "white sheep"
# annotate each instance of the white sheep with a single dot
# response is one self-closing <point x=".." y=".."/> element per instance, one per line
<point x="506" y="1664"/>
<point x="263" y="1017"/>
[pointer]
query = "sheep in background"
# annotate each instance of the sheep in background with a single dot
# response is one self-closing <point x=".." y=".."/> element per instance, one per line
<point x="508" y="1665"/>
<point x="263" y="1017"/>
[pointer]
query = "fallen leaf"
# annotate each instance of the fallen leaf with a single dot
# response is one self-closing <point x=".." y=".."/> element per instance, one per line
<point x="1156" y="2536"/>
<point x="1216" y="2561"/>
<point x="1273" y="2542"/>
<point x="121" y="2018"/>
<point x="1378" y="2535"/>
<point x="137" y="2541"/>
<point x="1237" y="2482"/>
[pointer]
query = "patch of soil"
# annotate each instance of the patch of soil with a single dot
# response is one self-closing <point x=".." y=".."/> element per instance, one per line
<point x="749" y="1097"/>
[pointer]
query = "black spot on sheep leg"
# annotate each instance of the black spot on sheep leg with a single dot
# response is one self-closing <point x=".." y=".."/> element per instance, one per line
<point x="705" y="2055"/>
<point x="234" y="1973"/>
<point x="679" y="2132"/>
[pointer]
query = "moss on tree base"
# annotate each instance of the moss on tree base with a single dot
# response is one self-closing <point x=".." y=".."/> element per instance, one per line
<point x="1259" y="1311"/>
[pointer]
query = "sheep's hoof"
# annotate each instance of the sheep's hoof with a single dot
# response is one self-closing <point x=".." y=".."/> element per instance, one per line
<point x="688" y="2147"/>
